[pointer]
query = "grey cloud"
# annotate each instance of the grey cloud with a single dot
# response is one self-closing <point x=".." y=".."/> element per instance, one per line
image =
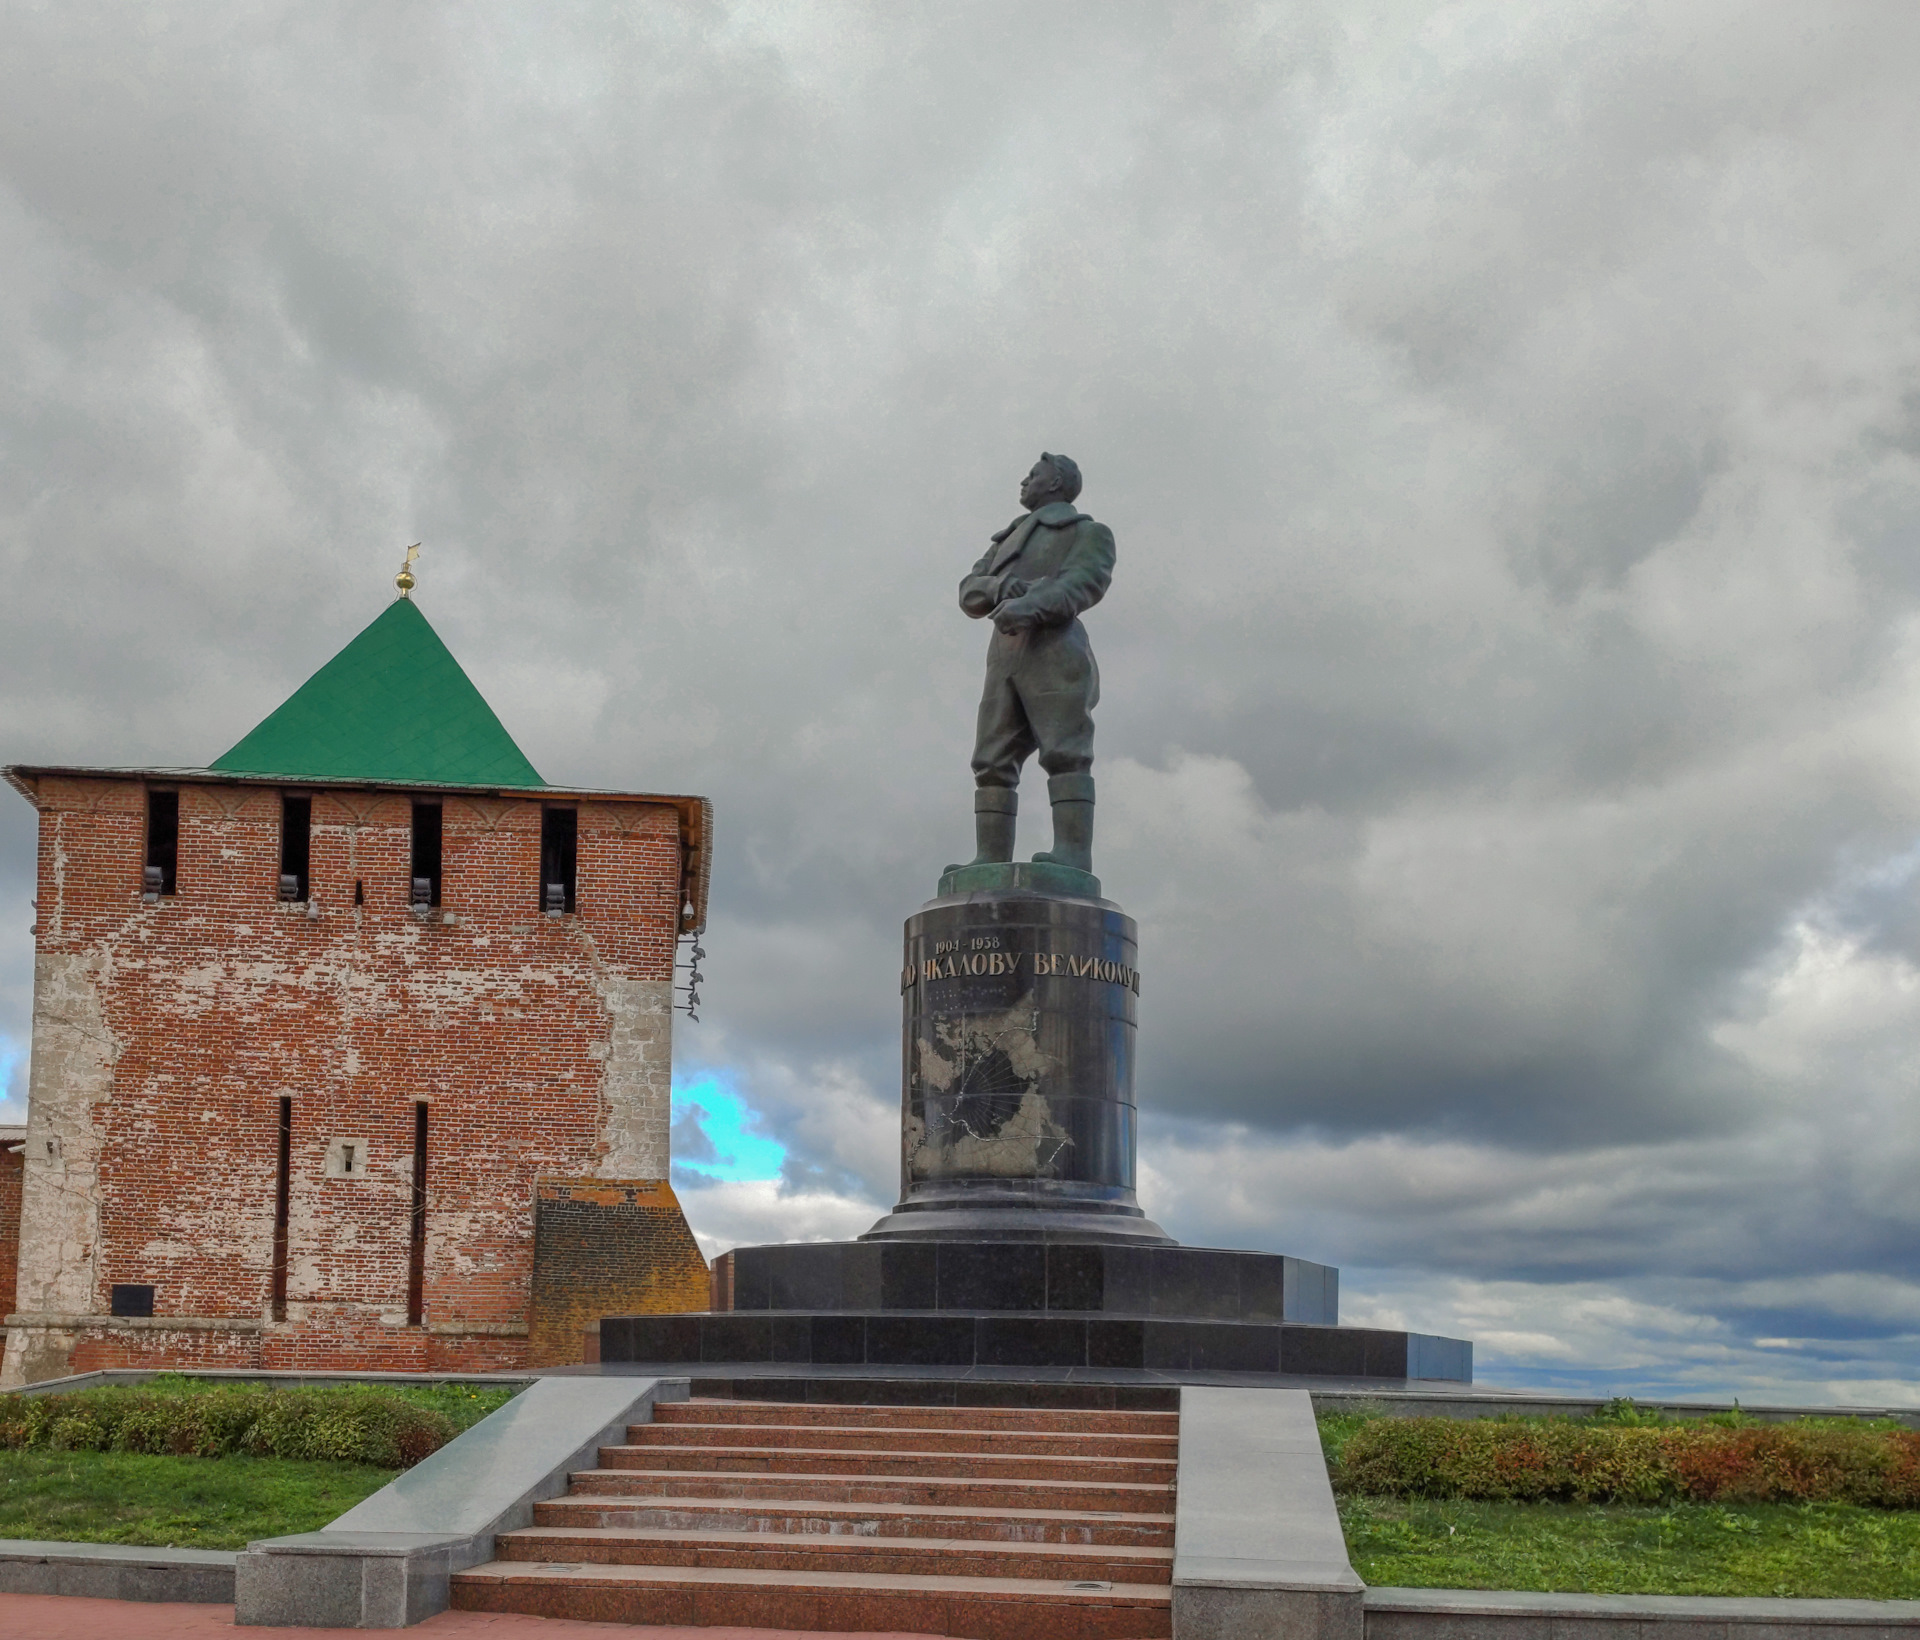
<point x="1506" y="418"/>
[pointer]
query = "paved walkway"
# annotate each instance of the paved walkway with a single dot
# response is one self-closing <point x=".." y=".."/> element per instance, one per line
<point x="66" y="1617"/>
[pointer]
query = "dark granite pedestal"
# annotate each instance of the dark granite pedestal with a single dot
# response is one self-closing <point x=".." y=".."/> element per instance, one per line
<point x="1017" y="1244"/>
<point x="1032" y="1277"/>
<point x="1017" y="1119"/>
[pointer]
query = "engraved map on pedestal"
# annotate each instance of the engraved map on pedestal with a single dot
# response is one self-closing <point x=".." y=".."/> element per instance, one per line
<point x="978" y="1108"/>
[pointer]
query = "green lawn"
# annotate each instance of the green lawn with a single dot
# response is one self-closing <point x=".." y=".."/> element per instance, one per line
<point x="190" y="1503"/>
<point x="1811" y="1549"/>
<point x="202" y="1503"/>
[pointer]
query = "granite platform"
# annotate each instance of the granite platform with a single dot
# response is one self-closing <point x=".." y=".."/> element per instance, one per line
<point x="1041" y="1276"/>
<point x="904" y="1341"/>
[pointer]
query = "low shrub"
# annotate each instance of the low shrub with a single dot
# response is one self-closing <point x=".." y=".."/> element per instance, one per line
<point x="350" y="1423"/>
<point x="1629" y="1461"/>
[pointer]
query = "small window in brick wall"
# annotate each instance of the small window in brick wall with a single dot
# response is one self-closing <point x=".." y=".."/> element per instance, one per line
<point x="424" y="889"/>
<point x="130" y="1298"/>
<point x="163" y="844"/>
<point x="347" y="1158"/>
<point x="559" y="854"/>
<point x="296" y="846"/>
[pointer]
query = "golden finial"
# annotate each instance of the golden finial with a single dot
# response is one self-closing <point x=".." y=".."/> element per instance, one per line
<point x="404" y="580"/>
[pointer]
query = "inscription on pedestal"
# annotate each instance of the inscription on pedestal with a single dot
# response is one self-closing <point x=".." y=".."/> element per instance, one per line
<point x="1019" y="1048"/>
<point x="965" y="959"/>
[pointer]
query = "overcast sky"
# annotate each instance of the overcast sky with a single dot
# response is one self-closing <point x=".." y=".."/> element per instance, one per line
<point x="1509" y="419"/>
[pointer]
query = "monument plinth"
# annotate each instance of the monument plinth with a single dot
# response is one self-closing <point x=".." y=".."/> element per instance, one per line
<point x="1017" y="1247"/>
<point x="1017" y="1118"/>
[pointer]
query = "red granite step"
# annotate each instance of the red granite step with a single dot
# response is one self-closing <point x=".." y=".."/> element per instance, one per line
<point x="765" y="1460"/>
<point x="786" y="1414"/>
<point x="1126" y="1497"/>
<point x="1047" y="1527"/>
<point x="811" y="1516"/>
<point x="838" y="1438"/>
<point x="846" y="1552"/>
<point x="966" y="1608"/>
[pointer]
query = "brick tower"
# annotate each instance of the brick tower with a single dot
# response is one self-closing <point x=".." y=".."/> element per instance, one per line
<point x="351" y="1050"/>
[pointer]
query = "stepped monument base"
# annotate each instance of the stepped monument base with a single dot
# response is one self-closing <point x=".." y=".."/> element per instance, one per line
<point x="1017" y="1242"/>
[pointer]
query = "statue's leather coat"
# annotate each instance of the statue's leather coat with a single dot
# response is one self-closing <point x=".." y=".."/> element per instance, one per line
<point x="1042" y="684"/>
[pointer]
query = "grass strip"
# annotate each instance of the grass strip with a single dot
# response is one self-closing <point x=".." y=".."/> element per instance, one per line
<point x="1820" y="1550"/>
<point x="172" y="1502"/>
<point x="63" y="1480"/>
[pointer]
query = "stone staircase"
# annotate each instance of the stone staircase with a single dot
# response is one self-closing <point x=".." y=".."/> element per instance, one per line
<point x="976" y="1523"/>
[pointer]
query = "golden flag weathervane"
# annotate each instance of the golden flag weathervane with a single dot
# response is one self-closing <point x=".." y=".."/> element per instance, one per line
<point x="404" y="580"/>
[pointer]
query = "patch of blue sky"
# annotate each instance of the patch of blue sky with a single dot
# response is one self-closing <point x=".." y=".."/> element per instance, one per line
<point x="716" y="1134"/>
<point x="13" y="1079"/>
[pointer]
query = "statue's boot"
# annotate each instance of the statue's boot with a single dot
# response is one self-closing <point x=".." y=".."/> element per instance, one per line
<point x="994" y="808"/>
<point x="1072" y="798"/>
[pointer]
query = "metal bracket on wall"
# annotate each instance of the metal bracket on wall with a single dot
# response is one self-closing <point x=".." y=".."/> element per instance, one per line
<point x="691" y="990"/>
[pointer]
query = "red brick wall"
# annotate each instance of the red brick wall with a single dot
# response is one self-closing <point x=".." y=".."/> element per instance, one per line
<point x="9" y="1226"/>
<point x="97" y="1350"/>
<point x="607" y="1248"/>
<point x="220" y="1000"/>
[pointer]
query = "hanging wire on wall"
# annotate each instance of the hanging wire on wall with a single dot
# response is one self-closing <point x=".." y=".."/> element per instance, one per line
<point x="691" y="990"/>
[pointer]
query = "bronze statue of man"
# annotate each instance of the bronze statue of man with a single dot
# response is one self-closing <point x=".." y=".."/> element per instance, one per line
<point x="1041" y="572"/>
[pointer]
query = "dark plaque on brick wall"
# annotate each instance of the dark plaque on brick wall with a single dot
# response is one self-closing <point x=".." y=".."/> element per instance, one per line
<point x="130" y="1298"/>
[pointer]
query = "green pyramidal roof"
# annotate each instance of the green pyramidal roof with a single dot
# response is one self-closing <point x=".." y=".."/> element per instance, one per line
<point x="393" y="705"/>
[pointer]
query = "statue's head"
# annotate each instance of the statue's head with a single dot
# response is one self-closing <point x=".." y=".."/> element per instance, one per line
<point x="1054" y="478"/>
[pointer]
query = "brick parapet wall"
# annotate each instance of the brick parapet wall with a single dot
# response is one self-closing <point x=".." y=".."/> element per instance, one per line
<point x="600" y="1247"/>
<point x="166" y="1034"/>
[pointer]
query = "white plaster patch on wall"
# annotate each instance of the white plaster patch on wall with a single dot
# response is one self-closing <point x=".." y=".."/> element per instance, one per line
<point x="638" y="1097"/>
<point x="53" y="918"/>
<point x="206" y="987"/>
<point x="334" y="1259"/>
<point x="453" y="1238"/>
<point x="163" y="1249"/>
<point x="72" y="1073"/>
<point x="349" y="1157"/>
